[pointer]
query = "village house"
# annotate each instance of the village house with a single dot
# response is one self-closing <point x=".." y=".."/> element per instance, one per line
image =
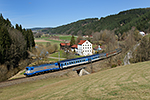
<point x="84" y="47"/>
<point x="64" y="45"/>
<point x="142" y="33"/>
<point x="86" y="36"/>
<point x="74" y="48"/>
<point x="98" y="48"/>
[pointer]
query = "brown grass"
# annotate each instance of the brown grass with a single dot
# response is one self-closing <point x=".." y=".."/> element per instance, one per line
<point x="125" y="82"/>
<point x="41" y="40"/>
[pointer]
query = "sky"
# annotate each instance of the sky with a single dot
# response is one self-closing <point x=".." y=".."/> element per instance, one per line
<point x="53" y="13"/>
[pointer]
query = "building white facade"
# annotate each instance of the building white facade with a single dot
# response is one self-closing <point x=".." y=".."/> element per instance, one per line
<point x="142" y="33"/>
<point x="84" y="48"/>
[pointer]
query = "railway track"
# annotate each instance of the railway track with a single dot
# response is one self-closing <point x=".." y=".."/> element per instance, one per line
<point x="46" y="75"/>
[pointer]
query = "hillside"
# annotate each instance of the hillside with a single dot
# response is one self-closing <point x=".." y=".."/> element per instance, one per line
<point x="121" y="22"/>
<point x="14" y="43"/>
<point x="124" y="82"/>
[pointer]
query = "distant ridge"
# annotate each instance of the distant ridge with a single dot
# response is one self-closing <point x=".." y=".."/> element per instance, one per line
<point x="121" y="22"/>
<point x="40" y="28"/>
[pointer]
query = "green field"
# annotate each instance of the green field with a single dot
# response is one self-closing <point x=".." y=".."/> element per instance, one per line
<point x="62" y="37"/>
<point x="123" y="82"/>
<point x="66" y="37"/>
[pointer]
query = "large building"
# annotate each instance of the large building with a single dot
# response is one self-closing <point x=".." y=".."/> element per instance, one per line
<point x="84" y="47"/>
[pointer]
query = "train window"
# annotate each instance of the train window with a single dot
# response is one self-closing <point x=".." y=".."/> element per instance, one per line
<point x="26" y="68"/>
<point x="65" y="63"/>
<point x="32" y="68"/>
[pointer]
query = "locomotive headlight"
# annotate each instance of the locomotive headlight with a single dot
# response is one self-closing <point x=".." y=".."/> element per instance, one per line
<point x="27" y="72"/>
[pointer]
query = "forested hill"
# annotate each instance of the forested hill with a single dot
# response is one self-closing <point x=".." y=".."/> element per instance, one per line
<point x="14" y="43"/>
<point x="121" y="22"/>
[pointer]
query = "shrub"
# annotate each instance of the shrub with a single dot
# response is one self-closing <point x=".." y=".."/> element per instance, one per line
<point x="113" y="65"/>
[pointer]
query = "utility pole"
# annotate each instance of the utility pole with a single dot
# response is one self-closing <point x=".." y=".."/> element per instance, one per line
<point x="118" y="44"/>
<point x="91" y="66"/>
<point x="59" y="55"/>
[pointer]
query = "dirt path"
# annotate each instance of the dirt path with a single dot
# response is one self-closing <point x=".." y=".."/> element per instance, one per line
<point x="41" y="40"/>
<point x="18" y="75"/>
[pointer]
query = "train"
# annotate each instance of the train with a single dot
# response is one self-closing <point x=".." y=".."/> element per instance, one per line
<point x="68" y="63"/>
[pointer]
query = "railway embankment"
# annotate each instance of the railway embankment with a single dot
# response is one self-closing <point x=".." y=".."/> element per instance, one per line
<point x="6" y="73"/>
<point x="123" y="82"/>
<point x="69" y="72"/>
<point x="93" y="67"/>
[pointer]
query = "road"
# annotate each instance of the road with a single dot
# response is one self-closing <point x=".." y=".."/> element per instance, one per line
<point x="57" y="58"/>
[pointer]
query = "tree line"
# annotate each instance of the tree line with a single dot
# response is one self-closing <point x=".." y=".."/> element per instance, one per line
<point x="14" y="43"/>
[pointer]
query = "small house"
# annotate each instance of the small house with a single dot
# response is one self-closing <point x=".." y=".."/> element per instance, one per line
<point x="64" y="45"/>
<point x="142" y="33"/>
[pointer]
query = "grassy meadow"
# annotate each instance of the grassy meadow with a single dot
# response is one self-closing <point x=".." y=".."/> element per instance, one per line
<point x="123" y="82"/>
<point x="66" y="37"/>
<point x="62" y="37"/>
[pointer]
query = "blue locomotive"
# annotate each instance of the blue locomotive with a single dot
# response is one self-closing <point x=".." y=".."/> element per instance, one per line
<point x="68" y="63"/>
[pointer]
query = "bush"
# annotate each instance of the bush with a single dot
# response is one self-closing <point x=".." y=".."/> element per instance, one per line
<point x="113" y="65"/>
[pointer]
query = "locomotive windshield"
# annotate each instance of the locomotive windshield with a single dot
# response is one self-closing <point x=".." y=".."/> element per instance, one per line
<point x="26" y="69"/>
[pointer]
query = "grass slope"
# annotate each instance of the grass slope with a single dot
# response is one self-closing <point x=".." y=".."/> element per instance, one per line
<point x="125" y="82"/>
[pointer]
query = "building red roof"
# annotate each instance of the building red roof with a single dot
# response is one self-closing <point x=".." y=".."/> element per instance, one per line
<point x="74" y="46"/>
<point x="81" y="42"/>
<point x="63" y="44"/>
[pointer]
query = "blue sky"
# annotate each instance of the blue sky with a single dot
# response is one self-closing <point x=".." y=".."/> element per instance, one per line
<point x="52" y="13"/>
